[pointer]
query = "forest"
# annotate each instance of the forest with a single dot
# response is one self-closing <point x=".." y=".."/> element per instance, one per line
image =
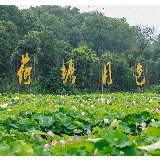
<point x="51" y="33"/>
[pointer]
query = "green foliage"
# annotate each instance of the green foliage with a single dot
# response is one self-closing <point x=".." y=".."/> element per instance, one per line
<point x="52" y="32"/>
<point x="118" y="139"/>
<point x="31" y="122"/>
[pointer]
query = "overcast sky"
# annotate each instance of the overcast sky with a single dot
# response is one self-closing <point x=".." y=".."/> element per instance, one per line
<point x="140" y="12"/>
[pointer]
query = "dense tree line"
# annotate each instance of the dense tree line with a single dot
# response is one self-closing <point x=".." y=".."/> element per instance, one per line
<point x="52" y="33"/>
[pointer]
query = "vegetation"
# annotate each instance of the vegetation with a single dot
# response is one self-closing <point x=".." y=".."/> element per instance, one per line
<point x="52" y="33"/>
<point x="83" y="125"/>
<point x="76" y="120"/>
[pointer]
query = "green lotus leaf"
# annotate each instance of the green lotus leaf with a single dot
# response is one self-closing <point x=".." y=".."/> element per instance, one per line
<point x="151" y="147"/>
<point x="119" y="139"/>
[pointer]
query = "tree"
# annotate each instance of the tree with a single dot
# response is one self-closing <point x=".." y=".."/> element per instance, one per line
<point x="8" y="40"/>
<point x="122" y="76"/>
<point x="29" y="44"/>
<point x="49" y="61"/>
<point x="144" y="37"/>
<point x="74" y="36"/>
<point x="11" y="30"/>
<point x="151" y="73"/>
<point x="120" y="35"/>
<point x="52" y="23"/>
<point x="156" y="49"/>
<point x="148" y="53"/>
<point x="86" y="75"/>
<point x="95" y="31"/>
<point x="158" y="69"/>
<point x="131" y="56"/>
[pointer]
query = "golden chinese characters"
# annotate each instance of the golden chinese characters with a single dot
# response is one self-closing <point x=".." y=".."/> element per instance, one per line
<point x="105" y="76"/>
<point x="27" y="70"/>
<point x="66" y="74"/>
<point x="139" y="72"/>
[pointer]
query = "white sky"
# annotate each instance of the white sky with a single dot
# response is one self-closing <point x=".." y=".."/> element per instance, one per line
<point x="138" y="12"/>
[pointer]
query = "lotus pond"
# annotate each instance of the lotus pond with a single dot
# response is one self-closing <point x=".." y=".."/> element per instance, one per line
<point x="117" y="124"/>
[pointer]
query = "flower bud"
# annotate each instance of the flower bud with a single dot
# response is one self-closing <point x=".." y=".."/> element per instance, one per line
<point x="61" y="147"/>
<point x="70" y="140"/>
<point x="96" y="152"/>
<point x="78" y="140"/>
<point x="41" y="139"/>
<point x="88" y="132"/>
<point x="46" y="146"/>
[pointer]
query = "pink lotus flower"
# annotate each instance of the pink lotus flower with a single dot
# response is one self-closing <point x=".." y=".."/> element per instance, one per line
<point x="54" y="142"/>
<point x="74" y="107"/>
<point x="81" y="104"/>
<point x="46" y="146"/>
<point x="92" y="105"/>
<point x="62" y="141"/>
<point x="70" y="140"/>
<point x="83" y="113"/>
<point x="78" y="140"/>
<point x="108" y="102"/>
<point x="33" y="134"/>
<point x="143" y="126"/>
<point x="106" y="121"/>
<point x="28" y="96"/>
<point x="102" y="100"/>
<point x="27" y="113"/>
<point x="152" y="120"/>
<point x="41" y="139"/>
<point x="61" y="147"/>
<point x="50" y="133"/>
<point x="96" y="152"/>
<point x="156" y="110"/>
<point x="10" y="103"/>
<point x="134" y="103"/>
<point x="57" y="105"/>
<point x="89" y="132"/>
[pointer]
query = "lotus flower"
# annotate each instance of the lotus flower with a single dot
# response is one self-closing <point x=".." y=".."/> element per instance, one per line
<point x="96" y="152"/>
<point x="108" y="102"/>
<point x="50" y="133"/>
<point x="70" y="140"/>
<point x="41" y="139"/>
<point x="74" y="107"/>
<point x="62" y="141"/>
<point x="152" y="120"/>
<point x="16" y="98"/>
<point x="143" y="126"/>
<point x="54" y="142"/>
<point x="102" y="100"/>
<point x="61" y="147"/>
<point x="83" y="113"/>
<point x="78" y="140"/>
<point x="46" y="146"/>
<point x="88" y="131"/>
<point x="4" y="105"/>
<point x="106" y="121"/>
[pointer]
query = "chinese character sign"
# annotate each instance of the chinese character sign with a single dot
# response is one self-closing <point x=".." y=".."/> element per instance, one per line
<point x="105" y="72"/>
<point x="66" y="74"/>
<point x="26" y="71"/>
<point x="139" y="72"/>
